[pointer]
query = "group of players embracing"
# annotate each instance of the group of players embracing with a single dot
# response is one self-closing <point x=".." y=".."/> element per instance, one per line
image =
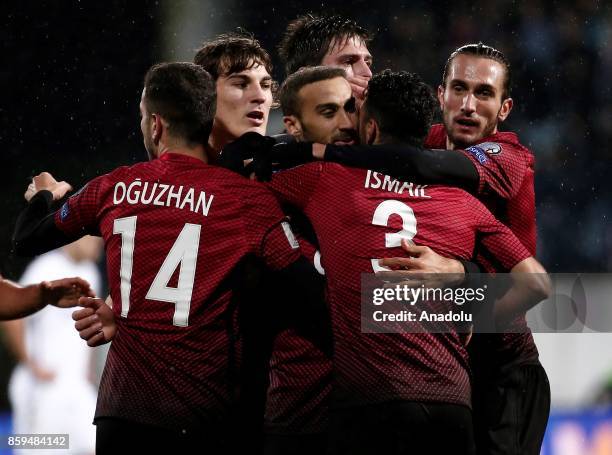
<point x="235" y="304"/>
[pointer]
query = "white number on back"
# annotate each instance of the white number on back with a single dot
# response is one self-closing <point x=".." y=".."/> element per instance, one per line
<point x="183" y="254"/>
<point x="381" y="218"/>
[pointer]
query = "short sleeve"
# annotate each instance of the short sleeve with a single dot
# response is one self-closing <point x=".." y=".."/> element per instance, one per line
<point x="296" y="186"/>
<point x="79" y="214"/>
<point x="268" y="232"/>
<point x="498" y="242"/>
<point x="501" y="168"/>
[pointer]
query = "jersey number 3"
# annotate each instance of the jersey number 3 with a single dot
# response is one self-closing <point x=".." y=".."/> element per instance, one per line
<point x="381" y="218"/>
<point x="184" y="252"/>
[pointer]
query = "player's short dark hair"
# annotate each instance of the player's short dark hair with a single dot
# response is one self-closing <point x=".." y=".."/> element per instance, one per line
<point x="288" y="93"/>
<point x="308" y="39"/>
<point x="184" y="95"/>
<point x="232" y="53"/>
<point x="402" y="105"/>
<point x="482" y="50"/>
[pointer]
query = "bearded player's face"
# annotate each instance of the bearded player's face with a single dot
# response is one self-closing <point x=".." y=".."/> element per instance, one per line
<point x="471" y="99"/>
<point x="243" y="102"/>
<point x="327" y="113"/>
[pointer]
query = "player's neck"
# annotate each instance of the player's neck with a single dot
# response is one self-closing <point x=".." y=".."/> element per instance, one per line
<point x="218" y="139"/>
<point x="196" y="151"/>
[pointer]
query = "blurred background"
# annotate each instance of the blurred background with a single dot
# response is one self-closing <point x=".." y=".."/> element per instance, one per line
<point x="72" y="77"/>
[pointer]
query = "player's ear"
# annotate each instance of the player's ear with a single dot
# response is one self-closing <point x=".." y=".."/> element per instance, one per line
<point x="293" y="126"/>
<point x="371" y="131"/>
<point x="441" y="96"/>
<point x="157" y="127"/>
<point x="505" y="109"/>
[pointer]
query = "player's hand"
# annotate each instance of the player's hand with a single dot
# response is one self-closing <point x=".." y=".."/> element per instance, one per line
<point x="422" y="266"/>
<point x="45" y="181"/>
<point x="243" y="150"/>
<point x="95" y="322"/>
<point x="358" y="86"/>
<point x="65" y="293"/>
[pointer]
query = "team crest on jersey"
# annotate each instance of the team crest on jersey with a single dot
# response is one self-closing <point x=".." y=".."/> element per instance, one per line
<point x="64" y="211"/>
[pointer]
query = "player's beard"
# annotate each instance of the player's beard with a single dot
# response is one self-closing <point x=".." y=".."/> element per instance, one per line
<point x="459" y="143"/>
<point x="344" y="138"/>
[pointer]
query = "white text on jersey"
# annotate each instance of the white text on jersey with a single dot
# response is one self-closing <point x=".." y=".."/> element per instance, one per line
<point x="376" y="180"/>
<point x="161" y="194"/>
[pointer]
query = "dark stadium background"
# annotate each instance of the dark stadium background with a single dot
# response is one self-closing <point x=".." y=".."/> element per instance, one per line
<point x="71" y="79"/>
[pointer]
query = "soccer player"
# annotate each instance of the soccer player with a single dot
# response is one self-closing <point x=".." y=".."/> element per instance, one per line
<point x="297" y="398"/>
<point x="176" y="231"/>
<point x="18" y="302"/>
<point x="317" y="105"/>
<point x="296" y="417"/>
<point x="328" y="41"/>
<point x="242" y="70"/>
<point x="498" y="169"/>
<point x="390" y="396"/>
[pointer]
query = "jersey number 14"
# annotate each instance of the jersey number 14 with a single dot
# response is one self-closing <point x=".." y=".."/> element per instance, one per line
<point x="184" y="252"/>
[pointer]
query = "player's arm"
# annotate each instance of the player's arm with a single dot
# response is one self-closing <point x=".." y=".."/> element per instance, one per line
<point x="39" y="228"/>
<point x="486" y="167"/>
<point x="407" y="162"/>
<point x="271" y="238"/>
<point x="35" y="231"/>
<point x="530" y="282"/>
<point x="423" y="263"/>
<point x="18" y="302"/>
<point x="531" y="285"/>
<point x="402" y="161"/>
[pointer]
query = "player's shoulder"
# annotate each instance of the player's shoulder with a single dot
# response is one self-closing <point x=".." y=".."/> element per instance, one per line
<point x="507" y="141"/>
<point x="501" y="147"/>
<point x="314" y="167"/>
<point x="436" y="138"/>
<point x="329" y="168"/>
<point x="455" y="195"/>
<point x="450" y="192"/>
<point x="236" y="184"/>
<point x="121" y="172"/>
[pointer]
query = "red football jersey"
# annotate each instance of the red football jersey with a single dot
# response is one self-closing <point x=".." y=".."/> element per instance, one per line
<point x="300" y="372"/>
<point x="360" y="216"/>
<point x="506" y="170"/>
<point x="175" y="230"/>
<point x="300" y="386"/>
